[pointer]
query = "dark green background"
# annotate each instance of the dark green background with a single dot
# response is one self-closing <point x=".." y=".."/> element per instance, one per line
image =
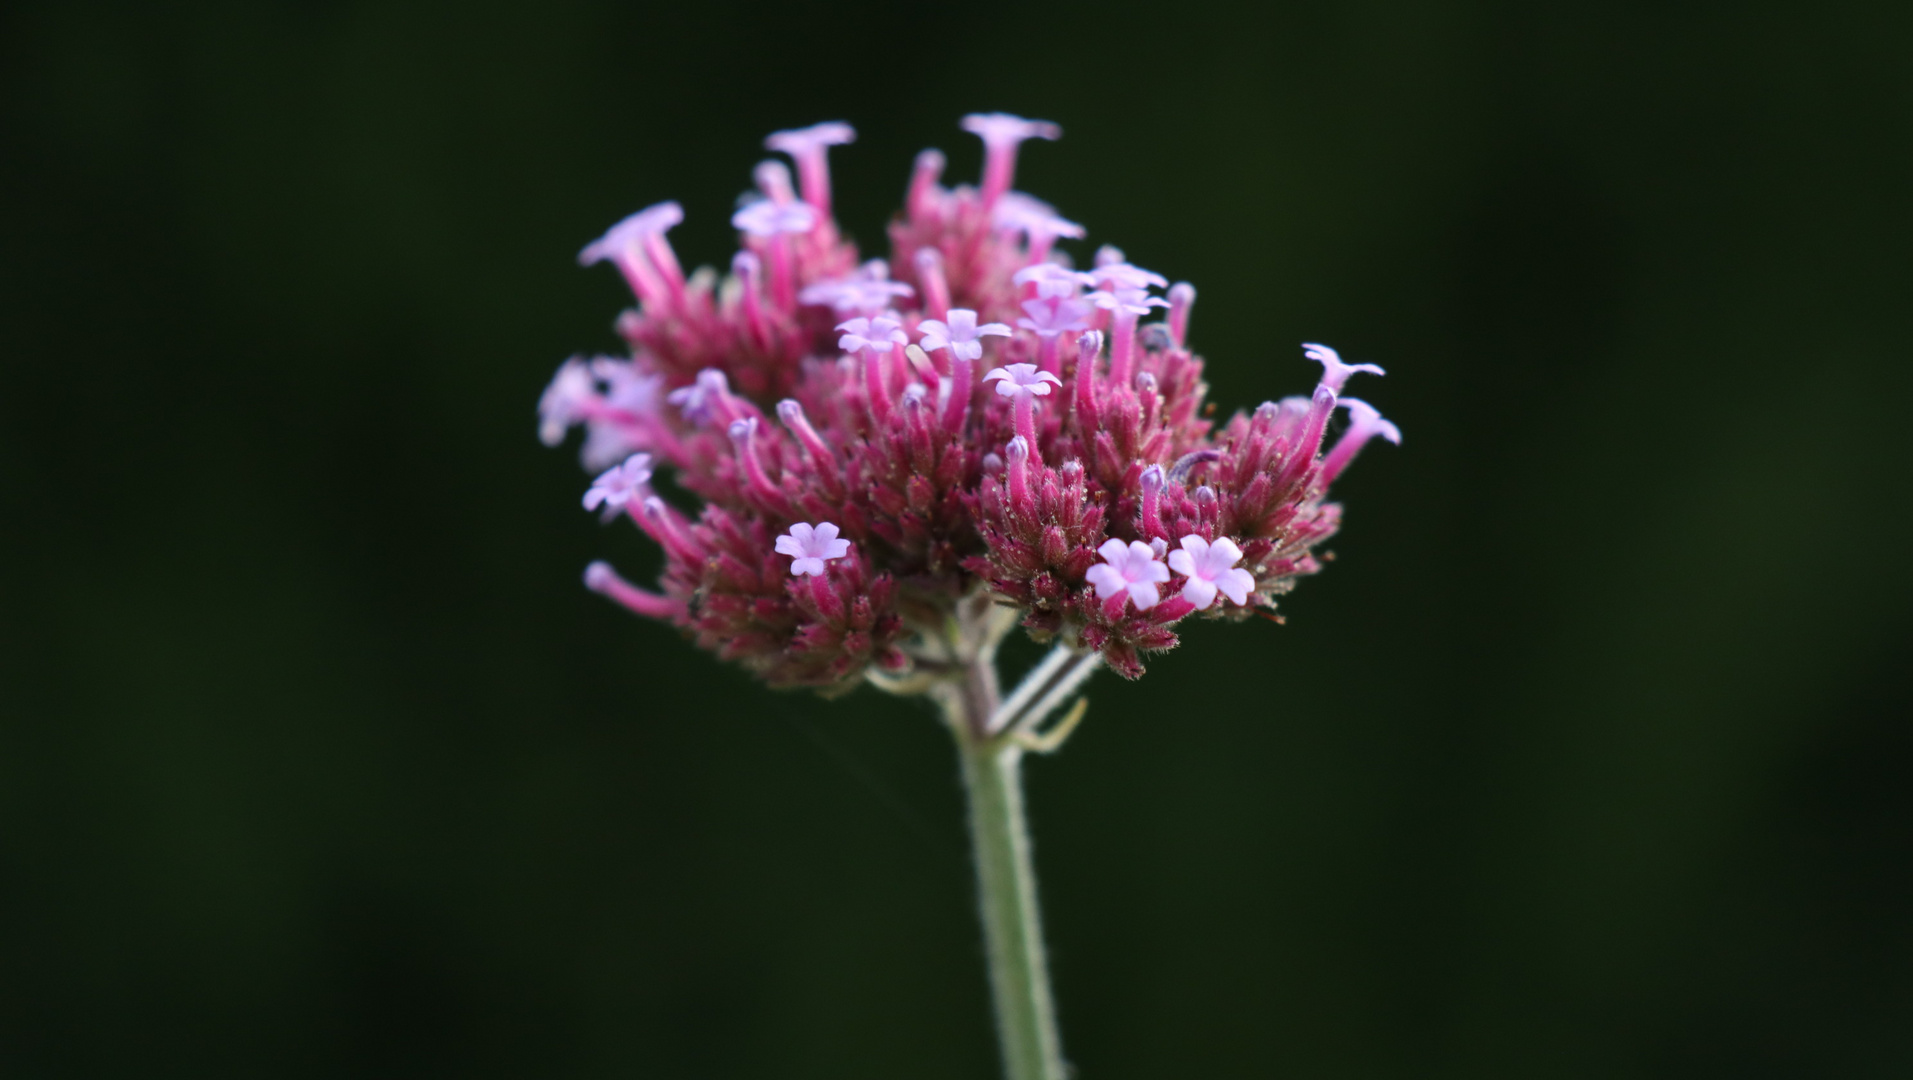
<point x="1589" y="757"/>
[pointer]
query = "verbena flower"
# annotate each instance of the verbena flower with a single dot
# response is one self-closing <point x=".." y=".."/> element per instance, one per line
<point x="846" y="488"/>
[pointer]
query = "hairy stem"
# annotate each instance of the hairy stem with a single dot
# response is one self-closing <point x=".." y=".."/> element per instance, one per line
<point x="1006" y="880"/>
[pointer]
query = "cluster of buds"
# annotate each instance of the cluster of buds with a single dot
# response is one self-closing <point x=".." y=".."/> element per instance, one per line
<point x="873" y="443"/>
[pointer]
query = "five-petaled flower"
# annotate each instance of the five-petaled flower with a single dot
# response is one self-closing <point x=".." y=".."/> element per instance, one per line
<point x="1211" y="568"/>
<point x="810" y="546"/>
<point x="621" y="483"/>
<point x="1131" y="568"/>
<point x="1021" y="379"/>
<point x="877" y="335"/>
<point x="866" y="292"/>
<point x="960" y="334"/>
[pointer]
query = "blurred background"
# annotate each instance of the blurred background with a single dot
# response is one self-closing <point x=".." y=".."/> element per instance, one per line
<point x="1590" y="756"/>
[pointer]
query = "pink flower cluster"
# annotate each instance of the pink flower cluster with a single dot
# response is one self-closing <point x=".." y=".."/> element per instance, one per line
<point x="872" y="441"/>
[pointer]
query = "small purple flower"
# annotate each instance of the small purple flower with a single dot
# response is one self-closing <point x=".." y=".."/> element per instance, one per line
<point x="811" y="546"/>
<point x="800" y="141"/>
<point x="1130" y="567"/>
<point x="1001" y="131"/>
<point x="631" y="232"/>
<point x="1116" y="276"/>
<point x="1002" y="134"/>
<point x="1055" y="315"/>
<point x="695" y="400"/>
<point x="1033" y="217"/>
<point x="1052" y="281"/>
<point x="809" y="147"/>
<point x="866" y="292"/>
<point x="565" y="402"/>
<point x="767" y="217"/>
<point x="1364" y="424"/>
<point x="1335" y="374"/>
<point x="1022" y="379"/>
<point x="960" y="334"/>
<point x="620" y="484"/>
<point x="1126" y="301"/>
<point x="1211" y="568"/>
<point x="877" y="334"/>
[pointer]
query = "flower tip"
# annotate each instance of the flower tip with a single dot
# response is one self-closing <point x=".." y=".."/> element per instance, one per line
<point x="798" y="140"/>
<point x="599" y="575"/>
<point x="1005" y="127"/>
<point x="742" y="430"/>
<point x="1018" y="449"/>
<point x="1153" y="478"/>
<point x="789" y="411"/>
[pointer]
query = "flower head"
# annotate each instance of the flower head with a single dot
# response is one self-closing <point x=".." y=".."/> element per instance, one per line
<point x="1211" y="568"/>
<point x="1021" y="379"/>
<point x="960" y="333"/>
<point x="1131" y="568"/>
<point x="811" y="546"/>
<point x="1058" y="483"/>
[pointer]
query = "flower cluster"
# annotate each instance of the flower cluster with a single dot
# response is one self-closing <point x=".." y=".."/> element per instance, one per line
<point x="872" y="441"/>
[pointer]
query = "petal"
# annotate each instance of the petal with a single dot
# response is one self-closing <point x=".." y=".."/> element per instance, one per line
<point x="1154" y="571"/>
<point x="1224" y="548"/>
<point x="824" y="531"/>
<point x="1114" y="551"/>
<point x="1200" y="593"/>
<point x="836" y="549"/>
<point x="1107" y="581"/>
<point x="813" y="567"/>
<point x="1182" y="562"/>
<point x="996" y="328"/>
<point x="1140" y="553"/>
<point x="1144" y="595"/>
<point x="999" y="373"/>
<point x="1238" y="584"/>
<point x="786" y="546"/>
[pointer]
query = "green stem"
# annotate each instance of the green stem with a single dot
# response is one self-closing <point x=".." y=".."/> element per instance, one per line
<point x="1006" y="884"/>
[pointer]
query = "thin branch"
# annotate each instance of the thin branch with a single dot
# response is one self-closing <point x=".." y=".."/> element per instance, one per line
<point x="1033" y="684"/>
